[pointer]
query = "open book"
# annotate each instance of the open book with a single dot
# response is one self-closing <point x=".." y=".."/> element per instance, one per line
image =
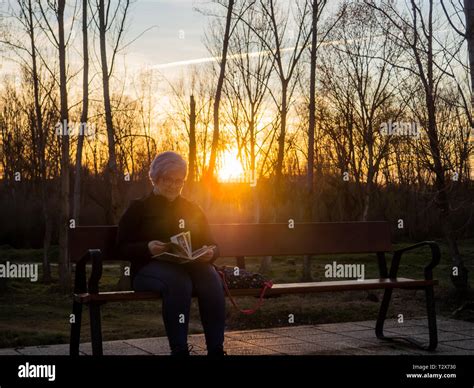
<point x="180" y="249"/>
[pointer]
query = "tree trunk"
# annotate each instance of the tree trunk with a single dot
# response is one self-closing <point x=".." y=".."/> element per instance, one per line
<point x="460" y="281"/>
<point x="367" y="195"/>
<point x="266" y="263"/>
<point x="84" y="115"/>
<point x="192" y="142"/>
<point x="217" y="100"/>
<point x="42" y="137"/>
<point x="64" y="269"/>
<point x="368" y="191"/>
<point x="469" y="14"/>
<point x="312" y="97"/>
<point x="111" y="172"/>
<point x="46" y="241"/>
<point x="306" y="276"/>
<point x="281" y="138"/>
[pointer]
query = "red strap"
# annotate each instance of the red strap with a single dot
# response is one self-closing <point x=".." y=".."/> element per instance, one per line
<point x="266" y="285"/>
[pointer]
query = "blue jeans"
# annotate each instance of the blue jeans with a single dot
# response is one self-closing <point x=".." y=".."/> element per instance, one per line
<point x="177" y="283"/>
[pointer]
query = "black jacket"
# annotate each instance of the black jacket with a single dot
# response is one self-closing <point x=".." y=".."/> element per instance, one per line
<point x="154" y="217"/>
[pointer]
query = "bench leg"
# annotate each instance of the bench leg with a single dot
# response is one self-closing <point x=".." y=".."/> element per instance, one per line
<point x="430" y="307"/>
<point x="240" y="260"/>
<point x="387" y="296"/>
<point x="96" y="329"/>
<point x="75" y="329"/>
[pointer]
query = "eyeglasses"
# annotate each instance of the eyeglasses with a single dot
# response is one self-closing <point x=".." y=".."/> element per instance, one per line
<point x="174" y="182"/>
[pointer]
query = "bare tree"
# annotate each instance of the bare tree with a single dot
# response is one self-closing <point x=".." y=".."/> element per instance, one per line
<point x="194" y="83"/>
<point x="84" y="114"/>
<point x="415" y="32"/>
<point x="55" y="11"/>
<point x="64" y="268"/>
<point x="285" y="68"/>
<point x="247" y="89"/>
<point x="469" y="35"/>
<point x="317" y="7"/>
<point x="38" y="20"/>
<point x="192" y="141"/>
<point x="220" y="81"/>
<point x="466" y="31"/>
<point x="109" y="16"/>
<point x="145" y="92"/>
<point x="39" y="132"/>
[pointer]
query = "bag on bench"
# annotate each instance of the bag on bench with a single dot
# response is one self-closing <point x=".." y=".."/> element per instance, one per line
<point x="243" y="280"/>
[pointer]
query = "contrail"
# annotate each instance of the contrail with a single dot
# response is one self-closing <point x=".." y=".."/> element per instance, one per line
<point x="215" y="59"/>
<point x="255" y="53"/>
<point x="250" y="55"/>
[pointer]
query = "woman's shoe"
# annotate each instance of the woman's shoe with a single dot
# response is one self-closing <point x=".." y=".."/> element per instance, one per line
<point x="180" y="351"/>
<point x="217" y="352"/>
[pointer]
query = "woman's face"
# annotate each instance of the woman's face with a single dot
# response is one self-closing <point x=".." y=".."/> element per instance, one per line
<point x="171" y="184"/>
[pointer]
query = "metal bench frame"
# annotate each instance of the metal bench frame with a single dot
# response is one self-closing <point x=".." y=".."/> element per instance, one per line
<point x="101" y="239"/>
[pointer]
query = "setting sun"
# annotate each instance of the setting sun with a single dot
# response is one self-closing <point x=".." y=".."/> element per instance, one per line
<point x="230" y="168"/>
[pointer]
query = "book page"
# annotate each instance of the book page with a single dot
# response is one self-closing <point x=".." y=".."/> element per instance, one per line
<point x="180" y="249"/>
<point x="187" y="238"/>
<point x="201" y="251"/>
<point x="174" y="250"/>
<point x="181" y="240"/>
<point x="167" y="255"/>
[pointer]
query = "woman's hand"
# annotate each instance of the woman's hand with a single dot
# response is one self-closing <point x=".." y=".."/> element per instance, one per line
<point x="209" y="254"/>
<point x="156" y="247"/>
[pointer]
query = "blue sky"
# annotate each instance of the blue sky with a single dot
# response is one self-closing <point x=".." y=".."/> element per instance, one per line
<point x="163" y="44"/>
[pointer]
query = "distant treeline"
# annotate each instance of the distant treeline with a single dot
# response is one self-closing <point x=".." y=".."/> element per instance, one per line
<point x="411" y="210"/>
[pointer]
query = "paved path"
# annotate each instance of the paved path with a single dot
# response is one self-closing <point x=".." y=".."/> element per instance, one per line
<point x="353" y="338"/>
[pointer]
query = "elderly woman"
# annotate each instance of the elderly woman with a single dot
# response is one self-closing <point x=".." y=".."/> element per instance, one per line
<point x="144" y="231"/>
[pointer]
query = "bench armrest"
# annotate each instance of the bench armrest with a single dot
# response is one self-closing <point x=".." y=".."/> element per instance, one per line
<point x="80" y="284"/>
<point x="428" y="271"/>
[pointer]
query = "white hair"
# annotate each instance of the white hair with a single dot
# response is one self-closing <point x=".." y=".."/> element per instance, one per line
<point x="164" y="162"/>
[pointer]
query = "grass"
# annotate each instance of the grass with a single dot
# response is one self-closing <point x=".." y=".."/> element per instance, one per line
<point x="38" y="314"/>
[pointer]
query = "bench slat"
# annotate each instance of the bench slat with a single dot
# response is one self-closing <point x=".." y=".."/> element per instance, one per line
<point x="347" y="285"/>
<point x="277" y="289"/>
<point x="275" y="239"/>
<point x="304" y="239"/>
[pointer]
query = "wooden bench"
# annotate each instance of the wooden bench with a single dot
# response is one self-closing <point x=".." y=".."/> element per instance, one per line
<point x="95" y="244"/>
